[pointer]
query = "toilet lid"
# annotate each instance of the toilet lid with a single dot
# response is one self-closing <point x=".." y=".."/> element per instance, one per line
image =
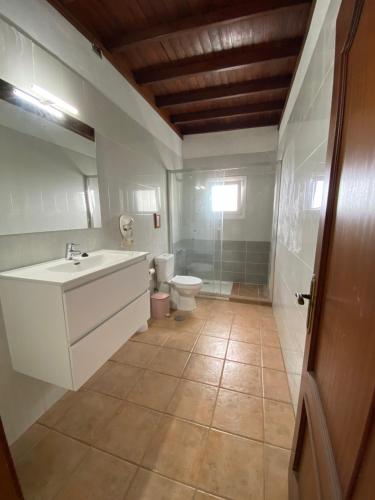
<point x="186" y="280"/>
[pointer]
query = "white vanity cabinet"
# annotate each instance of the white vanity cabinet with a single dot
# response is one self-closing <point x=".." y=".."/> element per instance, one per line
<point x="63" y="323"/>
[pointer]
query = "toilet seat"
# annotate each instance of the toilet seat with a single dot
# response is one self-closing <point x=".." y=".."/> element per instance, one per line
<point x="182" y="289"/>
<point x="183" y="292"/>
<point x="186" y="281"/>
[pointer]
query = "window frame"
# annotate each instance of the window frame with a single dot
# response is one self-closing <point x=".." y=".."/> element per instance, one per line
<point x="239" y="180"/>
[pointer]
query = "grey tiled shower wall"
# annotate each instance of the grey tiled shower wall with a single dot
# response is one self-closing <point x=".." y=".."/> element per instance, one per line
<point x="239" y="261"/>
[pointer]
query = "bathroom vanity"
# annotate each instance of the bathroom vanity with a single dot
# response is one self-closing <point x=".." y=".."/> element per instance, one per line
<point x="65" y="319"/>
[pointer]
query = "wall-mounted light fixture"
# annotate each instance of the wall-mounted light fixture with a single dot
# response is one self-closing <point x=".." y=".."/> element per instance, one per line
<point x="45" y="109"/>
<point x="55" y="101"/>
<point x="36" y="102"/>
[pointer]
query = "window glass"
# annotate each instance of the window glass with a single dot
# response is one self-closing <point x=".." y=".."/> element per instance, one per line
<point x="225" y="197"/>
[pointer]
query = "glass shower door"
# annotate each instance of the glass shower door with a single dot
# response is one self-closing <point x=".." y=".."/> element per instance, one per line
<point x="223" y="226"/>
<point x="196" y="229"/>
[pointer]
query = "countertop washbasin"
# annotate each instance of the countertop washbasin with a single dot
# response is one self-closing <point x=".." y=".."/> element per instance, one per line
<point x="86" y="263"/>
<point x="74" y="272"/>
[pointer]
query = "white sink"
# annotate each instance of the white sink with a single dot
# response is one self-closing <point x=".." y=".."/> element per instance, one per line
<point x="87" y="263"/>
<point x="64" y="319"/>
<point x="68" y="273"/>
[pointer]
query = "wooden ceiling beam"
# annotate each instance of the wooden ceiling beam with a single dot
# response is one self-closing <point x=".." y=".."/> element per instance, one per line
<point x="220" y="92"/>
<point x="264" y="120"/>
<point x="121" y="66"/>
<point x="210" y="114"/>
<point x="185" y="25"/>
<point x="220" y="61"/>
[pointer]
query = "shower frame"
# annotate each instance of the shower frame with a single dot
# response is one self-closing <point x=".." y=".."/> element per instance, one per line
<point x="218" y="242"/>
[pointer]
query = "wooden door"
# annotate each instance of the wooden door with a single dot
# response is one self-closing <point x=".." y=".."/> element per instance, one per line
<point x="9" y="485"/>
<point x="334" y="444"/>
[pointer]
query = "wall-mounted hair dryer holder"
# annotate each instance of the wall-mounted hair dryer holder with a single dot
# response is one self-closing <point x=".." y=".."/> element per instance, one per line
<point x="126" y="223"/>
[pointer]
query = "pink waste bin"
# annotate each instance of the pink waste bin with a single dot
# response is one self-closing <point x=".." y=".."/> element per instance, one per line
<point x="159" y="305"/>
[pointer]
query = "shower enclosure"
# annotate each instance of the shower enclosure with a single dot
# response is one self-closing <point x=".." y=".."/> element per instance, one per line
<point x="221" y="227"/>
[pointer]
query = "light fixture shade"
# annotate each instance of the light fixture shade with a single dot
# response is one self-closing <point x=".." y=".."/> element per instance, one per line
<point x="35" y="102"/>
<point x="55" y="101"/>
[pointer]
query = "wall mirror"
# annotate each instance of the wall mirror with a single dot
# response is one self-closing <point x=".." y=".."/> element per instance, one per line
<point x="48" y="173"/>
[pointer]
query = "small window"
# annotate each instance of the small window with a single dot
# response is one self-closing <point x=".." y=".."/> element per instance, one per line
<point x="146" y="200"/>
<point x="228" y="195"/>
<point x="317" y="196"/>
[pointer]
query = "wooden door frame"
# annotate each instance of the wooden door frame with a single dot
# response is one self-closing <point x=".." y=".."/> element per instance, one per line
<point x="310" y="410"/>
<point x="10" y="485"/>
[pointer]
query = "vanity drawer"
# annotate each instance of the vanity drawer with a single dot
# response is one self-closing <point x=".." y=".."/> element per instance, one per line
<point x="89" y="305"/>
<point x="99" y="345"/>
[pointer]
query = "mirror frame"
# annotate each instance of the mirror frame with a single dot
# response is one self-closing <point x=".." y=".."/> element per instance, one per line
<point x="67" y="121"/>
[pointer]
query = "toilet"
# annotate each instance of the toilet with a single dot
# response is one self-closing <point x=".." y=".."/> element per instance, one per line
<point x="183" y="288"/>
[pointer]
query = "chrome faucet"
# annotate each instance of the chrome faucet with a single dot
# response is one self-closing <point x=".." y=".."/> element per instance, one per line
<point x="70" y="251"/>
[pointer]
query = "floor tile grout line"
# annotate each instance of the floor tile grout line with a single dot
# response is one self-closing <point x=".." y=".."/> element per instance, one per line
<point x="185" y="419"/>
<point x="162" y="373"/>
<point x="164" y="412"/>
<point x="174" y="416"/>
<point x="137" y="379"/>
<point x="224" y="360"/>
<point x="132" y="462"/>
<point x="87" y="443"/>
<point x="20" y="457"/>
<point x="218" y="390"/>
<point x="148" y="408"/>
<point x="219" y="385"/>
<point x="264" y="433"/>
<point x="197" y="382"/>
<point x="131" y="483"/>
<point x="135" y="343"/>
<point x="204" y="447"/>
<point x="73" y="471"/>
<point x="147" y="367"/>
<point x="190" y="485"/>
<point x="133" y="402"/>
<point x="161" y="414"/>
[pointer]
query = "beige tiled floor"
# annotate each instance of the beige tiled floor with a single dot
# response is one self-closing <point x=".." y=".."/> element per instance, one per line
<point x="198" y="409"/>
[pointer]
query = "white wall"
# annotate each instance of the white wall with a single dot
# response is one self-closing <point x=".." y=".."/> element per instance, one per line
<point x="129" y="159"/>
<point x="302" y="149"/>
<point x="234" y="142"/>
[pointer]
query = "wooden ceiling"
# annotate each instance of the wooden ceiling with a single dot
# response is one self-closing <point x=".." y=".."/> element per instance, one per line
<point x="205" y="65"/>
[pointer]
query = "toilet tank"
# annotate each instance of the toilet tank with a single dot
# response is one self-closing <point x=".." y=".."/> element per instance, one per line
<point x="164" y="265"/>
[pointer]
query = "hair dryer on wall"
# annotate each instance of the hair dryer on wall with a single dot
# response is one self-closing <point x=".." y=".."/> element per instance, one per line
<point x="127" y="230"/>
